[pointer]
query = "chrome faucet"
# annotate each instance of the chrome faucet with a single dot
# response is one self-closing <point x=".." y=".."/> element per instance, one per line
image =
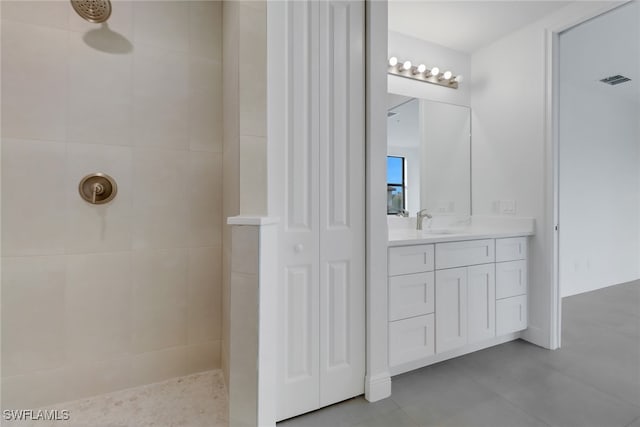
<point x="420" y="216"/>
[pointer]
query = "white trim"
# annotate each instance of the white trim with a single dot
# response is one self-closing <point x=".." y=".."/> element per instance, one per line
<point x="377" y="379"/>
<point x="552" y="165"/>
<point x="437" y="358"/>
<point x="252" y="220"/>
<point x="377" y="387"/>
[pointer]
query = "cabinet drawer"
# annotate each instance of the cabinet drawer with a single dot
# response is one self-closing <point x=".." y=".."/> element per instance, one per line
<point x="459" y="254"/>
<point x="410" y="295"/>
<point x="410" y="259"/>
<point x="411" y="339"/>
<point x="511" y="249"/>
<point x="511" y="315"/>
<point x="511" y="279"/>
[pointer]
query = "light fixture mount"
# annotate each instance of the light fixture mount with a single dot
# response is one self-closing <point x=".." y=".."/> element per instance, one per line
<point x="421" y="73"/>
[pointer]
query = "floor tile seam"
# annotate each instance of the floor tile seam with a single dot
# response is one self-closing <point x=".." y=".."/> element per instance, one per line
<point x="586" y="384"/>
<point x="633" y="421"/>
<point x="511" y="402"/>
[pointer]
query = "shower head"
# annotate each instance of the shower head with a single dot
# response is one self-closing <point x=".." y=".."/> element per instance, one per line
<point x="95" y="11"/>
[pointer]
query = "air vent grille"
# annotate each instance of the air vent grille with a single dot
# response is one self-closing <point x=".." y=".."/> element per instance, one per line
<point x="615" y="80"/>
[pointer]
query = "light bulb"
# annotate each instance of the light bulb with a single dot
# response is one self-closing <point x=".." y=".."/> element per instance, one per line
<point x="447" y="75"/>
<point x="406" y="65"/>
<point x="458" y="78"/>
<point x="434" y="71"/>
<point x="393" y="61"/>
<point x="421" y="68"/>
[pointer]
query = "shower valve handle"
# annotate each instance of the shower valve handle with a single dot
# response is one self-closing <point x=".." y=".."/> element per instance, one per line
<point x="97" y="189"/>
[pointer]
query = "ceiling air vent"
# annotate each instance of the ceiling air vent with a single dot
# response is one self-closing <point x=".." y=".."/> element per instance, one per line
<point x="615" y="80"/>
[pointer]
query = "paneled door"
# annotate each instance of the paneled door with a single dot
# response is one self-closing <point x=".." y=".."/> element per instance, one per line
<point x="322" y="318"/>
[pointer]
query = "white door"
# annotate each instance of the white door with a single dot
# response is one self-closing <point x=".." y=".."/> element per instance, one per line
<point x="451" y="309"/>
<point x="481" y="293"/>
<point x="322" y="319"/>
<point x="342" y="189"/>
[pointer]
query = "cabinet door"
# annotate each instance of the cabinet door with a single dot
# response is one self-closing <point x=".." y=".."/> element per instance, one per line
<point x="410" y="295"/>
<point x="511" y="315"/>
<point x="481" y="302"/>
<point x="511" y="279"/>
<point x="451" y="309"/>
<point x="410" y="339"/>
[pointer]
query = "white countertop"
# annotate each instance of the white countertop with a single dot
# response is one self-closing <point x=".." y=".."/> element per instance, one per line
<point x="402" y="232"/>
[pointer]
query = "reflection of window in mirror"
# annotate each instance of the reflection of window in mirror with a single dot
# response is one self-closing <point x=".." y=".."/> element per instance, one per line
<point x="396" y="187"/>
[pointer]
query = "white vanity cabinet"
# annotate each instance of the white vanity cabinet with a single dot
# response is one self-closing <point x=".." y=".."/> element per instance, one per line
<point x="411" y="303"/>
<point x="451" y="298"/>
<point x="511" y="285"/>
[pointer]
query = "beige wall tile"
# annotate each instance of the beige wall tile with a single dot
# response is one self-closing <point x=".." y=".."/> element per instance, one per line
<point x="100" y="95"/>
<point x="98" y="306"/>
<point x="160" y="198"/>
<point x="244" y="348"/>
<point x="91" y="378"/>
<point x="205" y="26"/>
<point x="33" y="202"/>
<point x="205" y="105"/>
<point x="244" y="249"/>
<point x="33" y="307"/>
<point x="162" y="23"/>
<point x="253" y="175"/>
<point x="253" y="71"/>
<point x="34" y="82"/>
<point x="204" y="295"/>
<point x="205" y="198"/>
<point x="159" y="299"/>
<point x="98" y="228"/>
<point x="157" y="366"/>
<point x="36" y="389"/>
<point x="54" y="14"/>
<point x="160" y="97"/>
<point x="204" y="356"/>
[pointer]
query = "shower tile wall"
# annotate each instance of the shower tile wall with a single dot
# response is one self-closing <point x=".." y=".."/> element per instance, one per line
<point x="99" y="298"/>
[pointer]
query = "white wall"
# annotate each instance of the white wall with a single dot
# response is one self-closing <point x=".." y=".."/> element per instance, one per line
<point x="508" y="104"/>
<point x="432" y="55"/>
<point x="99" y="298"/>
<point x="599" y="149"/>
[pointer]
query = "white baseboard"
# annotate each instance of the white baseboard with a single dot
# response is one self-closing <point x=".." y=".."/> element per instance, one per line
<point x="377" y="387"/>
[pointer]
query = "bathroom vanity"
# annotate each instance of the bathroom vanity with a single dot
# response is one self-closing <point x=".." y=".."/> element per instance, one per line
<point x="452" y="292"/>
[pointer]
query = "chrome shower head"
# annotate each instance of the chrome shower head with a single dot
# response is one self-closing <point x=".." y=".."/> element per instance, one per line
<point x="95" y="11"/>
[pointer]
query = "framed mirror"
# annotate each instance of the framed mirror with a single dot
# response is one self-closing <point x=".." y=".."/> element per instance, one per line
<point x="429" y="157"/>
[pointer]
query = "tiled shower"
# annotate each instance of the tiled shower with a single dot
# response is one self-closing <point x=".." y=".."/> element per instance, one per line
<point x="97" y="298"/>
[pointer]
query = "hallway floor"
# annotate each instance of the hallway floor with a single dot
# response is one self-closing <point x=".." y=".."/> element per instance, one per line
<point x="593" y="381"/>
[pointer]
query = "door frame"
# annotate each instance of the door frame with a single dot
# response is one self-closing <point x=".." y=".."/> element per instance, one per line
<point x="552" y="160"/>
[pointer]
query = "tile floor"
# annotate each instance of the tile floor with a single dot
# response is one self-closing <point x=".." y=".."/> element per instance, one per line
<point x="198" y="400"/>
<point x="593" y="381"/>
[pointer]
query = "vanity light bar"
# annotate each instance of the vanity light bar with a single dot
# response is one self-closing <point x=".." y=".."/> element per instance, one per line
<point x="421" y="73"/>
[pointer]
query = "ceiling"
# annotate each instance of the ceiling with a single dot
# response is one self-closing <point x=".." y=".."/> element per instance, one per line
<point x="465" y="26"/>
